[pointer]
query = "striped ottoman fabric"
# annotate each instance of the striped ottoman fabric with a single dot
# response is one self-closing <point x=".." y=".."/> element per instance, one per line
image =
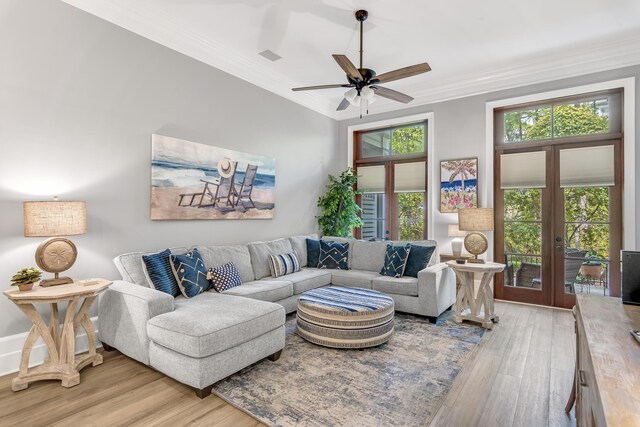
<point x="341" y="317"/>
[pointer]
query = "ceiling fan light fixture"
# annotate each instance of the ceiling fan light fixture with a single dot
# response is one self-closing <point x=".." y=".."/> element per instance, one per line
<point x="368" y="94"/>
<point x="352" y="96"/>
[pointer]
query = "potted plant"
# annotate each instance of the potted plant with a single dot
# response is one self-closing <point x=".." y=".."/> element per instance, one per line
<point x="25" y="278"/>
<point x="340" y="212"/>
<point x="593" y="268"/>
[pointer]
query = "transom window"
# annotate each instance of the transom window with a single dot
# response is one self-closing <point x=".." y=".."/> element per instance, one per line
<point x="592" y="114"/>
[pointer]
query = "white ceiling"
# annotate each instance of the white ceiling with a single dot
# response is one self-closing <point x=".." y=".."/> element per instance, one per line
<point x="472" y="46"/>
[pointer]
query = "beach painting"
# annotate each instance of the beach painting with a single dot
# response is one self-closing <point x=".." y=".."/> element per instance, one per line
<point x="199" y="181"/>
<point x="458" y="184"/>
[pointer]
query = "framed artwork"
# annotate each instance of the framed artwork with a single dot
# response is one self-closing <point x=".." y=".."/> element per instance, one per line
<point x="458" y="184"/>
<point x="199" y="181"/>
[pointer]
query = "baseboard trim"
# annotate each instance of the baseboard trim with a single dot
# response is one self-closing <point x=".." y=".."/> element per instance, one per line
<point x="11" y="349"/>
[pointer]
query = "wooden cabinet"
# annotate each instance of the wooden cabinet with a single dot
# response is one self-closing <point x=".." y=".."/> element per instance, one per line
<point x="607" y="381"/>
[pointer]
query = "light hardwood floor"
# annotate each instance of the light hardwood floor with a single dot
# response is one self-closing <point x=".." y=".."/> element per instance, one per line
<point x="519" y="375"/>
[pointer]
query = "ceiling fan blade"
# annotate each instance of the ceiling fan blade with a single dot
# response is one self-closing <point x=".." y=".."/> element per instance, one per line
<point x="403" y="73"/>
<point x="392" y="94"/>
<point x="343" y="105"/>
<point x="348" y="67"/>
<point x="295" y="89"/>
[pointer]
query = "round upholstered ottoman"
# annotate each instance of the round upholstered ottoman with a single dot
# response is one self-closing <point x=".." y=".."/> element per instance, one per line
<point x="341" y="317"/>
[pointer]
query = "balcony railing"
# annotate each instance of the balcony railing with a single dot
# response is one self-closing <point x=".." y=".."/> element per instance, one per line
<point x="524" y="270"/>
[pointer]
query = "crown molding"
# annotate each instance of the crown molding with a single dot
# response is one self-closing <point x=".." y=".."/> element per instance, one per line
<point x="143" y="18"/>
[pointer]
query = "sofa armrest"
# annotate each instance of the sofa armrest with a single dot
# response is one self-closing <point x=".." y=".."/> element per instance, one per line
<point x="436" y="289"/>
<point x="123" y="311"/>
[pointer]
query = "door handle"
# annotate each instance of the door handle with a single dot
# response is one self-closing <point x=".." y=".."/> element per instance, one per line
<point x="559" y="245"/>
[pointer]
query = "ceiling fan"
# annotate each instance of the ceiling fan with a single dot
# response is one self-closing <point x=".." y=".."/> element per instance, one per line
<point x="364" y="82"/>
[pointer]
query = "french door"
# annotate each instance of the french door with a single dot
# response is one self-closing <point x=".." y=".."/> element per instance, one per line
<point x="561" y="233"/>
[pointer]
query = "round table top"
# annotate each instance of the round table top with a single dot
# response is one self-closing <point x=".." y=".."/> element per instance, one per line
<point x="345" y="301"/>
<point x="476" y="267"/>
<point x="57" y="292"/>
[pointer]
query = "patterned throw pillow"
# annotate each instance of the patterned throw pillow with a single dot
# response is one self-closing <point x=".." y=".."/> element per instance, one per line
<point x="419" y="258"/>
<point x="224" y="277"/>
<point x="160" y="274"/>
<point x="190" y="273"/>
<point x="283" y="264"/>
<point x="334" y="255"/>
<point x="313" y="253"/>
<point x="395" y="260"/>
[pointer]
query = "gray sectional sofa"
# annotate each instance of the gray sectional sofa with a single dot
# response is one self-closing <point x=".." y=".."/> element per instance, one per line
<point x="202" y="340"/>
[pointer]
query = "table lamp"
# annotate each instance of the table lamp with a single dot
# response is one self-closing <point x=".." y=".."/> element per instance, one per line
<point x="55" y="219"/>
<point x="475" y="220"/>
<point x="456" y="243"/>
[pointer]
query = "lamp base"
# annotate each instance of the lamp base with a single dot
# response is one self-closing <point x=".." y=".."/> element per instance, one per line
<point x="456" y="247"/>
<point x="56" y="281"/>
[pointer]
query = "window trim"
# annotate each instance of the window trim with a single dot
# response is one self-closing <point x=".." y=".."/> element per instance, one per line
<point x="431" y="179"/>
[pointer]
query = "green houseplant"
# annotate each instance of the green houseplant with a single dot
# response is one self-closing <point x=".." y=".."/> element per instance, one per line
<point x="340" y="212"/>
<point x="25" y="278"/>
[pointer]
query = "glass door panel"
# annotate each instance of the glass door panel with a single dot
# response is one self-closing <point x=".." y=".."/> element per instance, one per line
<point x="523" y="238"/>
<point x="373" y="216"/>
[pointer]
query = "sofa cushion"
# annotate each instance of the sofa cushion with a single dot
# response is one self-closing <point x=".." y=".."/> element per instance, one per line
<point x="396" y="285"/>
<point x="211" y="323"/>
<point x="433" y="243"/>
<point x="419" y="258"/>
<point x="260" y="252"/>
<point x="224" y="277"/>
<point x="190" y="273"/>
<point x="368" y="255"/>
<point x="159" y="273"/>
<point x="264" y="290"/>
<point x="395" y="260"/>
<point x="283" y="264"/>
<point x="334" y="255"/>
<point x="353" y="278"/>
<point x="238" y="254"/>
<point x="306" y="279"/>
<point x="299" y="246"/>
<point x="130" y="266"/>
<point x="313" y="253"/>
<point x="342" y="240"/>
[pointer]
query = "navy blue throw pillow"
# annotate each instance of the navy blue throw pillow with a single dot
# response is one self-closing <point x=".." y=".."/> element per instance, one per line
<point x="190" y="272"/>
<point x="313" y="253"/>
<point x="395" y="260"/>
<point x="418" y="259"/>
<point x="159" y="271"/>
<point x="334" y="255"/>
<point x="224" y="277"/>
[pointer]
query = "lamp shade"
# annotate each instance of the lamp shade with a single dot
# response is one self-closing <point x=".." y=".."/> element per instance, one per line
<point x="475" y="219"/>
<point x="454" y="231"/>
<point x="52" y="219"/>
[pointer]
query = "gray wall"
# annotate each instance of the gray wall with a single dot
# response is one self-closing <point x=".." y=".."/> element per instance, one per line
<point x="460" y="131"/>
<point x="79" y="100"/>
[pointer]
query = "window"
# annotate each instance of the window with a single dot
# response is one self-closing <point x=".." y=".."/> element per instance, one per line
<point x="567" y="117"/>
<point x="392" y="173"/>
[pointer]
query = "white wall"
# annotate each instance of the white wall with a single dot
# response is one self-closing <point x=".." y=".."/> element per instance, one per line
<point x="460" y="128"/>
<point x="79" y="100"/>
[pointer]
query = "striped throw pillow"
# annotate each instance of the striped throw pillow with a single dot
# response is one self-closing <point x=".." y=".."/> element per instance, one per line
<point x="283" y="264"/>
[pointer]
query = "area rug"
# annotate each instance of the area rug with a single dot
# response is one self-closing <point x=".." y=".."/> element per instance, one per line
<point x="401" y="383"/>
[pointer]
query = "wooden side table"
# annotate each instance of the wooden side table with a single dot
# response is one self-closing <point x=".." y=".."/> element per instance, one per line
<point x="61" y="363"/>
<point x="480" y="308"/>
<point x="450" y="257"/>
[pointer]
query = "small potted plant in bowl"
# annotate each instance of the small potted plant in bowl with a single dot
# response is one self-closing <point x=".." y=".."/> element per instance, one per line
<point x="25" y="278"/>
<point x="593" y="267"/>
